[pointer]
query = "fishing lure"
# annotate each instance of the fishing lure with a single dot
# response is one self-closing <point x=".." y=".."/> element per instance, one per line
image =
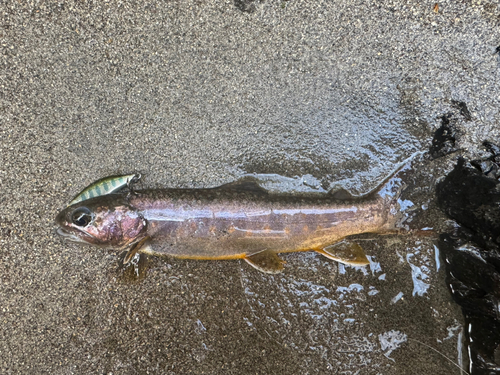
<point x="104" y="186"/>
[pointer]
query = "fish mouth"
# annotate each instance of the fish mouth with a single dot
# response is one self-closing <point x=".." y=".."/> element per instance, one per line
<point x="67" y="235"/>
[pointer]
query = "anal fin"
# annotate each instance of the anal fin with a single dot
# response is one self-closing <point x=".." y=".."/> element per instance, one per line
<point x="265" y="261"/>
<point x="345" y="252"/>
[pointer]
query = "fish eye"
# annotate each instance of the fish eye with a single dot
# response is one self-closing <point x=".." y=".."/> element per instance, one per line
<point x="81" y="216"/>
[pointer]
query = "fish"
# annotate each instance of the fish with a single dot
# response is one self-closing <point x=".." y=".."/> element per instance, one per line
<point x="106" y="185"/>
<point x="239" y="220"/>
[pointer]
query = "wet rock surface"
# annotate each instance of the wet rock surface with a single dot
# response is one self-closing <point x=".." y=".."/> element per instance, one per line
<point x="308" y="95"/>
<point x="470" y="194"/>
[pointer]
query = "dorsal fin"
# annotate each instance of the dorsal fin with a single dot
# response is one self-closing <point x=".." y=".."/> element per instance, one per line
<point x="245" y="184"/>
<point x="341" y="194"/>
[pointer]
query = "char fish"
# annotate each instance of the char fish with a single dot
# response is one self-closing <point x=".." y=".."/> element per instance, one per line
<point x="240" y="220"/>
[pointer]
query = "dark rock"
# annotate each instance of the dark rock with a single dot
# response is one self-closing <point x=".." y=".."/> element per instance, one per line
<point x="443" y="142"/>
<point x="471" y="197"/>
<point x="247" y="6"/>
<point x="464" y="111"/>
<point x="473" y="200"/>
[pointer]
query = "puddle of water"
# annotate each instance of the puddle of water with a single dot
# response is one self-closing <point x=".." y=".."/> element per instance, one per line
<point x="358" y="317"/>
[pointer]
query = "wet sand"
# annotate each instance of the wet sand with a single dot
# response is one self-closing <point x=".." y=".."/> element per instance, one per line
<point x="195" y="94"/>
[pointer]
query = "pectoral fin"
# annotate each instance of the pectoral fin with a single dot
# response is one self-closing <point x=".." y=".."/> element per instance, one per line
<point x="266" y="261"/>
<point x="345" y="252"/>
<point x="137" y="247"/>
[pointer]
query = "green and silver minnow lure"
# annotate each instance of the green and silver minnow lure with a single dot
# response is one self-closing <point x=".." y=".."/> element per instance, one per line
<point x="104" y="186"/>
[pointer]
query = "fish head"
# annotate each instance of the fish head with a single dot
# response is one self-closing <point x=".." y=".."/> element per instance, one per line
<point x="104" y="221"/>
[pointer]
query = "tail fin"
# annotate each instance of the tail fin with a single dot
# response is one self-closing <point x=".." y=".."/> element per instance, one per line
<point x="390" y="191"/>
<point x="391" y="185"/>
